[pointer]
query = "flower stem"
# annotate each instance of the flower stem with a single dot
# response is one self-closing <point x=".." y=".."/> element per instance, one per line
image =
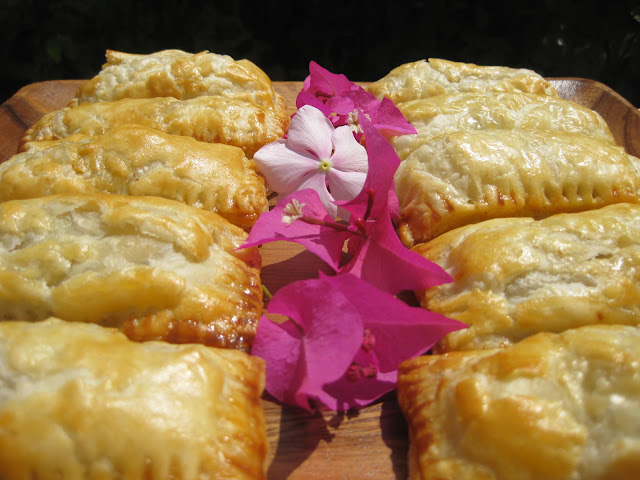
<point x="335" y="225"/>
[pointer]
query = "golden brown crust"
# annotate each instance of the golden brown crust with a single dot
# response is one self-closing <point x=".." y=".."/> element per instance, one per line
<point x="423" y="79"/>
<point x="554" y="406"/>
<point x="212" y="119"/>
<point x="496" y="110"/>
<point x="81" y="401"/>
<point x="137" y="160"/>
<point x="155" y="268"/>
<point x="464" y="177"/>
<point x="179" y="74"/>
<point x="515" y="276"/>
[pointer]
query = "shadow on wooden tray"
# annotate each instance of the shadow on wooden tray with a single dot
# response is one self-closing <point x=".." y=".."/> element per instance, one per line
<point x="337" y="434"/>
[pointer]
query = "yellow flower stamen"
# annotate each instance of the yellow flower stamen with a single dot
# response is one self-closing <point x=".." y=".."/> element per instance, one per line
<point x="353" y="122"/>
<point x="325" y="165"/>
<point x="292" y="212"/>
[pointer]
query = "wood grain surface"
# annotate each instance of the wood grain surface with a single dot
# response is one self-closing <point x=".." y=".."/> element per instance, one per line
<point x="368" y="444"/>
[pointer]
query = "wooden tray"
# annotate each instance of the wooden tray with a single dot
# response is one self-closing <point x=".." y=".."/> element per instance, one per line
<point x="371" y="443"/>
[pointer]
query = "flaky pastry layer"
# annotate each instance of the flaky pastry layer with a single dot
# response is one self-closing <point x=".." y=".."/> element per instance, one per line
<point x="554" y="406"/>
<point x="468" y="176"/>
<point x="137" y="160"/>
<point x="213" y="119"/>
<point x="79" y="401"/>
<point x="423" y="79"/>
<point x="514" y="277"/>
<point x="179" y="74"/>
<point x="156" y="269"/>
<point x="441" y="114"/>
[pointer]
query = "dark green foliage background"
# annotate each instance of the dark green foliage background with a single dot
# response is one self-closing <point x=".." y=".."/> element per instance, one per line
<point x="67" y="39"/>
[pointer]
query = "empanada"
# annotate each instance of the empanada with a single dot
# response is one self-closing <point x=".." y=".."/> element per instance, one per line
<point x="511" y="110"/>
<point x="136" y="160"/>
<point x="212" y="119"/>
<point x="423" y="79"/>
<point x="82" y="402"/>
<point x="468" y="176"/>
<point x="552" y="407"/>
<point x="157" y="269"/>
<point x="514" y="277"/>
<point x="179" y="74"/>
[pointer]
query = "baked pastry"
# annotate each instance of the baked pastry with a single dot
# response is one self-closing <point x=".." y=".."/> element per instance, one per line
<point x="212" y="119"/>
<point x="514" y="277"/>
<point x="554" y="406"/>
<point x="155" y="268"/>
<point x="464" y="177"/>
<point x="511" y="110"/>
<point x="436" y="76"/>
<point x="136" y="160"/>
<point x="179" y="74"/>
<point x="81" y="401"/>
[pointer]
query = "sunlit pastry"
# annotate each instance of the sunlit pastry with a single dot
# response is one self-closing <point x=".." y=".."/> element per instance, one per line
<point x="465" y="177"/>
<point x="136" y="160"/>
<point x="179" y="74"/>
<point x="554" y="406"/>
<point x="510" y="110"/>
<point x="81" y="401"/>
<point x="155" y="268"/>
<point x="514" y="277"/>
<point x="436" y="76"/>
<point x="212" y="119"/>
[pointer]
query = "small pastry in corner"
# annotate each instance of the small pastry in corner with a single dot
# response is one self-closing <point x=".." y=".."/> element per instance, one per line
<point x="554" y="406"/>
<point x="79" y="401"/>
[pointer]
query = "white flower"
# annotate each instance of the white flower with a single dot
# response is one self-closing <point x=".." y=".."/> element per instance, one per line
<point x="315" y="155"/>
<point x="292" y="212"/>
<point x="353" y="120"/>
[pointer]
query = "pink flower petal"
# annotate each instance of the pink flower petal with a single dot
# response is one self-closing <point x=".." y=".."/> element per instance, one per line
<point x="306" y="98"/>
<point x="390" y="121"/>
<point x="280" y="345"/>
<point x="386" y="263"/>
<point x="283" y="168"/>
<point x="401" y="332"/>
<point x="345" y="185"/>
<point x="407" y="333"/>
<point x="312" y="349"/>
<point x="310" y="359"/>
<point x="365" y="101"/>
<point x="385" y="116"/>
<point x="340" y="106"/>
<point x="336" y="96"/>
<point x="322" y="82"/>
<point x="381" y="258"/>
<point x="311" y="131"/>
<point x="383" y="163"/>
<point x="318" y="182"/>
<point x="349" y="165"/>
<point x="343" y="395"/>
<point x="336" y="109"/>
<point x="393" y="204"/>
<point x="324" y="242"/>
<point x="348" y="154"/>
